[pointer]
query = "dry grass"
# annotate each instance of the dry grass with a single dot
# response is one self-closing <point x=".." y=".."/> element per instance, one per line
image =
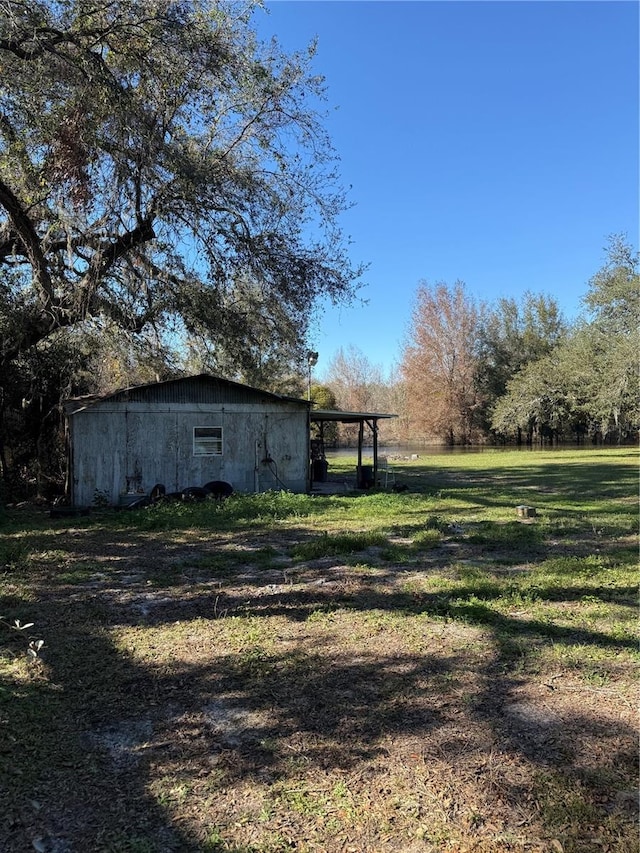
<point x="411" y="672"/>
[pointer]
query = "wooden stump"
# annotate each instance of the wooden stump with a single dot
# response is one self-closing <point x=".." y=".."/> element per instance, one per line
<point x="525" y="511"/>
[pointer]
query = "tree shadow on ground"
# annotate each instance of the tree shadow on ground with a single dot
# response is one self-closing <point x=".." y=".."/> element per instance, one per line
<point x="110" y="742"/>
<point x="72" y="781"/>
<point x="100" y="730"/>
<point x="96" y="726"/>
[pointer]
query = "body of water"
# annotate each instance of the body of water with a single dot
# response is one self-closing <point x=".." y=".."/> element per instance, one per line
<point x="445" y="450"/>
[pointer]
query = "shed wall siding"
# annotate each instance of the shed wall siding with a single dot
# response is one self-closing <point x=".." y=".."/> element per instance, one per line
<point x="125" y="447"/>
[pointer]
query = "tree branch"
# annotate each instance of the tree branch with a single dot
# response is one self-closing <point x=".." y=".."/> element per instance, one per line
<point x="41" y="40"/>
<point x="108" y="254"/>
<point x="28" y="236"/>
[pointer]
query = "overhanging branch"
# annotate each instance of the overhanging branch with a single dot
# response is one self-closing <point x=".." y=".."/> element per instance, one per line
<point x="29" y="239"/>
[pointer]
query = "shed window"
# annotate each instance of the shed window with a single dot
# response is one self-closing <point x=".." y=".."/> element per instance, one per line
<point x="207" y="441"/>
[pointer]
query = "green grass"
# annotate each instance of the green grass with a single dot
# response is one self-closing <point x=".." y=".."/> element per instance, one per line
<point x="336" y="544"/>
<point x="14" y="555"/>
<point x="204" y="681"/>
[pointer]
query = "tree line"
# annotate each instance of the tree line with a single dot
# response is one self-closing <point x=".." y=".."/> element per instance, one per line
<point x="514" y="371"/>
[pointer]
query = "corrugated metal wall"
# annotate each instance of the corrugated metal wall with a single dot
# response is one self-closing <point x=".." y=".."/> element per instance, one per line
<point x="121" y="446"/>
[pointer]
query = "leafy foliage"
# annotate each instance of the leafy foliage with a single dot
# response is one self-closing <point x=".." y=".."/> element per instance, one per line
<point x="614" y="295"/>
<point x="31" y="446"/>
<point x="588" y="382"/>
<point x="513" y="335"/>
<point x="152" y="155"/>
<point x="323" y="397"/>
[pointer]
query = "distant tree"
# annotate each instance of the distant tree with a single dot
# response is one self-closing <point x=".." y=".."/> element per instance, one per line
<point x="610" y="343"/>
<point x="354" y="379"/>
<point x="537" y="402"/>
<point x="613" y="298"/>
<point x="589" y="383"/>
<point x="512" y="335"/>
<point x="395" y="430"/>
<point x="439" y="364"/>
<point x="604" y="371"/>
<point x="358" y="386"/>
<point x="322" y="397"/>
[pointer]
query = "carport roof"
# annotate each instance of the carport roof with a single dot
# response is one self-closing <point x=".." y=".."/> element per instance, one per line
<point x="318" y="415"/>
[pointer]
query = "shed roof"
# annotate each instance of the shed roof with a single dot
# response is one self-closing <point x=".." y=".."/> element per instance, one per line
<point x="202" y="388"/>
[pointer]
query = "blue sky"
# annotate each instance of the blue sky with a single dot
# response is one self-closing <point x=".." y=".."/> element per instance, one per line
<point x="492" y="142"/>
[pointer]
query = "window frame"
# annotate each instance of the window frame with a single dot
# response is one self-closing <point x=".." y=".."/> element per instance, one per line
<point x="199" y="449"/>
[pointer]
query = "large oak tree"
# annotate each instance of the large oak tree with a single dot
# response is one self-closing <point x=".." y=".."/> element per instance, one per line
<point x="153" y="154"/>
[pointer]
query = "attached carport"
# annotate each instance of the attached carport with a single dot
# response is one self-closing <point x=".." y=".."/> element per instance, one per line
<point x="363" y="419"/>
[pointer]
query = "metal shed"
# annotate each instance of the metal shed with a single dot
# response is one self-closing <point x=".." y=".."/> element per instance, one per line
<point x="185" y="432"/>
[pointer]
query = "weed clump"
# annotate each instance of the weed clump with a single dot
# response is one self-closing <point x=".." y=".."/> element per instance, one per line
<point x="333" y="545"/>
<point x="238" y="509"/>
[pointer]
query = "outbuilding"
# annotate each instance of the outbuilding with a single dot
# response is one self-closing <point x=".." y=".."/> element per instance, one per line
<point x="184" y="433"/>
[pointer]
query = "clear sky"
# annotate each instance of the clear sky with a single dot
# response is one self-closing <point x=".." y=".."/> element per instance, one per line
<point x="492" y="142"/>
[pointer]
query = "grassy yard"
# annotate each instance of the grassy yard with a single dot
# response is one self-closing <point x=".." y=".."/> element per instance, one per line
<point x="412" y="671"/>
